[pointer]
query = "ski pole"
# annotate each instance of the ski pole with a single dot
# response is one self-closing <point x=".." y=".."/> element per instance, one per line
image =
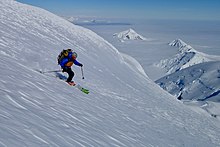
<point x="82" y="72"/>
<point x="50" y="71"/>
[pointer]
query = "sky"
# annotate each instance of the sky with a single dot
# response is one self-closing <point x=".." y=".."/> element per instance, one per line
<point x="148" y="9"/>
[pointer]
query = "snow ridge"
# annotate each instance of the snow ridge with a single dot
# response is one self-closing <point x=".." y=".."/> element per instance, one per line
<point x="186" y="57"/>
<point x="178" y="43"/>
<point x="199" y="82"/>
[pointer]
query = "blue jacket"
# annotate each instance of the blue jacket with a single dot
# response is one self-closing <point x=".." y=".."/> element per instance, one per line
<point x="65" y="60"/>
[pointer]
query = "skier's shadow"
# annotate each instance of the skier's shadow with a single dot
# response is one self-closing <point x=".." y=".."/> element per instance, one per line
<point x="60" y="76"/>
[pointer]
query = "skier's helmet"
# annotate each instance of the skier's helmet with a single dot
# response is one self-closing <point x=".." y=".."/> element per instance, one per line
<point x="74" y="55"/>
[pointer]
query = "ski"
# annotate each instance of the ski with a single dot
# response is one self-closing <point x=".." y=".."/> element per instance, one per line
<point x="84" y="90"/>
<point x="63" y="78"/>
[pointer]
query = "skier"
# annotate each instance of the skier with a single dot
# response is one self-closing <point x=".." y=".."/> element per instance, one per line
<point x="66" y="61"/>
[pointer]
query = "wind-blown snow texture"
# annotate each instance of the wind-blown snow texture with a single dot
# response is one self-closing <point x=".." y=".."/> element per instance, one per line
<point x="124" y="107"/>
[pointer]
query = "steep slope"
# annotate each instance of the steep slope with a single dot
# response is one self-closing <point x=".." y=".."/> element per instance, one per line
<point x="124" y="107"/>
<point x="186" y="57"/>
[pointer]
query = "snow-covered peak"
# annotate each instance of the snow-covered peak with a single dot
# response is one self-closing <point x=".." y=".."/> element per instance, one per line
<point x="129" y="34"/>
<point x="178" y="43"/>
<point x="183" y="47"/>
<point x="186" y="57"/>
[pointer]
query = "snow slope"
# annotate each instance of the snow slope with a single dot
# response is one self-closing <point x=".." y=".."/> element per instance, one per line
<point x="199" y="82"/>
<point x="186" y="57"/>
<point x="124" y="107"/>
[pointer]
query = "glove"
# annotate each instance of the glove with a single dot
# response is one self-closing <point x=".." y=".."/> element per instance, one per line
<point x="81" y="65"/>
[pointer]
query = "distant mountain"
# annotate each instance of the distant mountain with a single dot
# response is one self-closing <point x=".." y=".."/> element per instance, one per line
<point x="192" y="75"/>
<point x="129" y="34"/>
<point x="199" y="82"/>
<point x="87" y="21"/>
<point x="178" y="43"/>
<point x="186" y="57"/>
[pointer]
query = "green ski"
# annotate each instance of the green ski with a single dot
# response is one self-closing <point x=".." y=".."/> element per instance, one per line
<point x="84" y="90"/>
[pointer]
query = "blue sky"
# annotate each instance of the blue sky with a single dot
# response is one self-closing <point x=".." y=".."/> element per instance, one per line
<point x="166" y="9"/>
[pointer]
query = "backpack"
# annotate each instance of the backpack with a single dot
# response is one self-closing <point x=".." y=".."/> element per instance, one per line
<point x="63" y="54"/>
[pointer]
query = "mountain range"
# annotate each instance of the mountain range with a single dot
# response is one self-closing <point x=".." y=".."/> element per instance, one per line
<point x="191" y="75"/>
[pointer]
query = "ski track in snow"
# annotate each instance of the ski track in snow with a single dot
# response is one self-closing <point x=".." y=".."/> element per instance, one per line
<point x="124" y="107"/>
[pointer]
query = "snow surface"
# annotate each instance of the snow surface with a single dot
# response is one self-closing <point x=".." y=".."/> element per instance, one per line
<point x="190" y="80"/>
<point x="199" y="82"/>
<point x="124" y="107"/>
